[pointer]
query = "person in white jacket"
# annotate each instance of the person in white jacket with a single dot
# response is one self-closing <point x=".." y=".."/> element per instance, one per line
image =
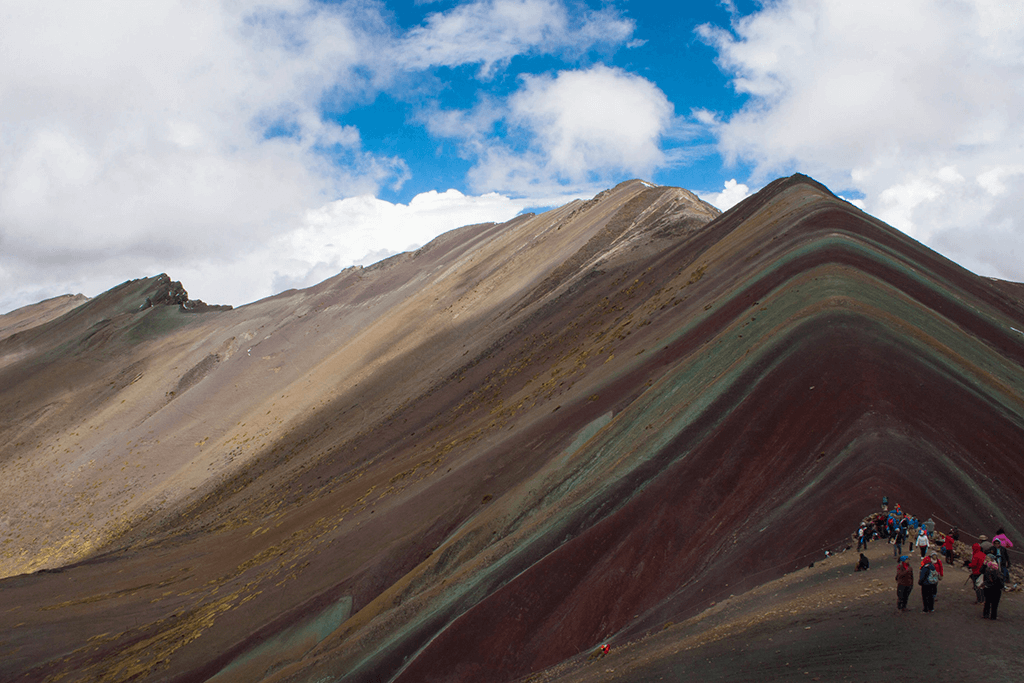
<point x="922" y="541"/>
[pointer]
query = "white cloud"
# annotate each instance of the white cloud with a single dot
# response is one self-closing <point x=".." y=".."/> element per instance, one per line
<point x="183" y="137"/>
<point x="362" y="230"/>
<point x="593" y="120"/>
<point x="733" y="193"/>
<point x="915" y="104"/>
<point x="134" y="134"/>
<point x="353" y="231"/>
<point x="470" y="126"/>
<point x="575" y="129"/>
<point x="705" y="117"/>
<point x="492" y="32"/>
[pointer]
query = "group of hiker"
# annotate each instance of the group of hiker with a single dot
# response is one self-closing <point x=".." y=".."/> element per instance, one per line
<point x="989" y="563"/>
<point x="931" y="573"/>
<point x="899" y="528"/>
<point x="990" y="570"/>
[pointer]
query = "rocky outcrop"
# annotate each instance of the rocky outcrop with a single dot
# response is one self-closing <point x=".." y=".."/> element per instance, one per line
<point x="172" y="293"/>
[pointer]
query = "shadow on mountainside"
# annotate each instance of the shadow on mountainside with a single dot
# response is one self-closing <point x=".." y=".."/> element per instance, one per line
<point x="821" y="623"/>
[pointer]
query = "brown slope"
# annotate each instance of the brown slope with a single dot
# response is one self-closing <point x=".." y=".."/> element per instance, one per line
<point x="604" y="406"/>
<point x="31" y="316"/>
<point x="365" y="316"/>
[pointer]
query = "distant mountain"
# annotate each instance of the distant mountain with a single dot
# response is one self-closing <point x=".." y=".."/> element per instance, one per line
<point x="482" y="459"/>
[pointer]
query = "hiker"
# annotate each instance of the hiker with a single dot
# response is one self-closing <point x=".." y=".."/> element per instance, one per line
<point x="878" y="528"/>
<point x="897" y="542"/>
<point x="928" y="580"/>
<point x="1001" y="535"/>
<point x="862" y="564"/>
<point x="1002" y="556"/>
<point x="904" y="582"/>
<point x="937" y="563"/>
<point x="922" y="541"/>
<point x="947" y="547"/>
<point x="977" y="567"/>
<point x="885" y="503"/>
<point x="986" y="545"/>
<point x="862" y="537"/>
<point x="993" y="589"/>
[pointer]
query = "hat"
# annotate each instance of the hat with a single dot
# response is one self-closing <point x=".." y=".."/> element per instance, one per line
<point x="904" y="558"/>
<point x="983" y="537"/>
<point x="996" y="540"/>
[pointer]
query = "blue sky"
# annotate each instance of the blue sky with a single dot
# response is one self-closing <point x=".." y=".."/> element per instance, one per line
<point x="659" y="43"/>
<point x="246" y="148"/>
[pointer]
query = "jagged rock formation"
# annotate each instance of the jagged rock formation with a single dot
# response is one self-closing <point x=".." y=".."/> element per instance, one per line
<point x="170" y="293"/>
<point x="477" y="460"/>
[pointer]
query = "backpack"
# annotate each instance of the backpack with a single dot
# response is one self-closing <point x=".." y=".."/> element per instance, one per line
<point x="993" y="578"/>
<point x="933" y="576"/>
<point x="926" y="573"/>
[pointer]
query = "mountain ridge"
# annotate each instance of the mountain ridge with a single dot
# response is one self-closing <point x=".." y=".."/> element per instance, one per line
<point x="412" y="466"/>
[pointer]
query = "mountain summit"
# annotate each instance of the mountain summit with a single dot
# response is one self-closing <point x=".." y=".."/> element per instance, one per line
<point x="480" y="459"/>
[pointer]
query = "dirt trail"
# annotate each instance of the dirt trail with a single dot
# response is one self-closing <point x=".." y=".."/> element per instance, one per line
<point x="824" y="623"/>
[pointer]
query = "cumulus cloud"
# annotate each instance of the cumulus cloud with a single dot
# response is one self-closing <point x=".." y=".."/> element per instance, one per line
<point x="184" y="137"/>
<point x="733" y="193"/>
<point x="134" y="134"/>
<point x="575" y="129"/>
<point x="914" y="104"/>
<point x="586" y="121"/>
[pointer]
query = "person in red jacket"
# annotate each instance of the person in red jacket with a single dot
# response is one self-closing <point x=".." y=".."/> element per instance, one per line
<point x="937" y="561"/>
<point x="977" y="566"/>
<point x="947" y="547"/>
